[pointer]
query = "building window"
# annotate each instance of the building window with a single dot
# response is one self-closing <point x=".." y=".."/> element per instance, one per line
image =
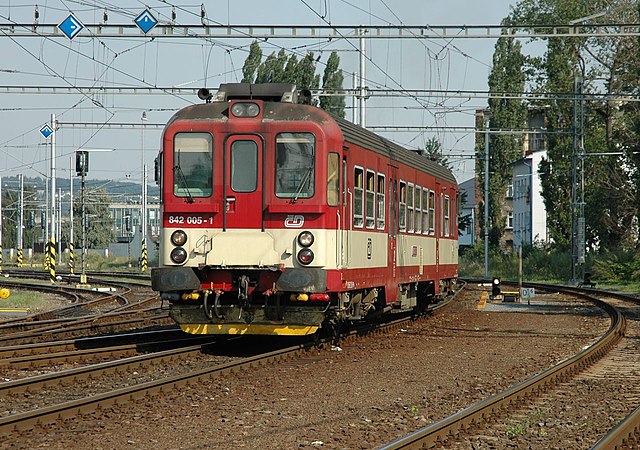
<point x="510" y="220"/>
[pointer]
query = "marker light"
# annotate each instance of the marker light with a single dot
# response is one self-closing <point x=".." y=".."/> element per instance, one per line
<point x="178" y="255"/>
<point x="305" y="239"/>
<point x="179" y="237"/>
<point x="305" y="256"/>
<point x="245" y="109"/>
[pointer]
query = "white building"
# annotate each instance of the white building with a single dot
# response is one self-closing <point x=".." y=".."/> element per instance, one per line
<point x="529" y="213"/>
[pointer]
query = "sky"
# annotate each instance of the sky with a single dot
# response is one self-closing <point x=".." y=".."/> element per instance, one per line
<point x="411" y="64"/>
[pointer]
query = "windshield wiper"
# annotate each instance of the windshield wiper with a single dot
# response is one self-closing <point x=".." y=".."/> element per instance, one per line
<point x="178" y="169"/>
<point x="306" y="176"/>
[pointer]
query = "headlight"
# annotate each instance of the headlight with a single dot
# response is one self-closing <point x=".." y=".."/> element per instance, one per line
<point x="305" y="239"/>
<point x="178" y="255"/>
<point x="305" y="256"/>
<point x="179" y="237"/>
<point x="245" y="109"/>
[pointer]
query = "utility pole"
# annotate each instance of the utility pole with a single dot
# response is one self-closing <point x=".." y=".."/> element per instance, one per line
<point x="52" y="223"/>
<point x="578" y="238"/>
<point x="486" y="193"/>
<point x="363" y="72"/>
<point x="72" y="261"/>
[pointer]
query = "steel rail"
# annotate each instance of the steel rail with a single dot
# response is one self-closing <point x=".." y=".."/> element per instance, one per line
<point x="53" y="413"/>
<point x="95" y="342"/>
<point x="620" y="436"/>
<point x="99" y="353"/>
<point x="440" y="431"/>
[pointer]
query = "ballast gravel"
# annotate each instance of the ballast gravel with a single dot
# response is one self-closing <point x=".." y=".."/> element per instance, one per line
<point x="360" y="395"/>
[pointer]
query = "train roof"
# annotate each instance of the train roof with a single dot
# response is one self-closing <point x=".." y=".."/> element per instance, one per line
<point x="352" y="133"/>
<point x="364" y="138"/>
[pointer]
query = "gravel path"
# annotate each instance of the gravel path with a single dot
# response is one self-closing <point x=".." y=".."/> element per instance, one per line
<point x="360" y="396"/>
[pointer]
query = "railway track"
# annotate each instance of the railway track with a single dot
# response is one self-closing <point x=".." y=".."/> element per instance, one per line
<point x="23" y="418"/>
<point x="121" y="307"/>
<point x="529" y="411"/>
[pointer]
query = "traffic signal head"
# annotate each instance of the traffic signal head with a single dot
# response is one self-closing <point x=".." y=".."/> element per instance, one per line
<point x="495" y="287"/>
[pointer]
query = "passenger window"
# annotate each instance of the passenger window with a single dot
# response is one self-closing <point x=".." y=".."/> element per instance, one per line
<point x="358" y="193"/>
<point x="432" y="212"/>
<point x="370" y="199"/>
<point x="410" y="208"/>
<point x="425" y="211"/>
<point x="418" y="209"/>
<point x="193" y="165"/>
<point x="446" y="212"/>
<point x="333" y="179"/>
<point x="295" y="165"/>
<point x="380" y="196"/>
<point x="244" y="166"/>
<point x="403" y="206"/>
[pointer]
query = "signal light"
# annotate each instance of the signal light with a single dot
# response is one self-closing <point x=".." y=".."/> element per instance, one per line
<point x="178" y="255"/>
<point x="495" y="287"/>
<point x="305" y="256"/>
<point x="179" y="237"/>
<point x="305" y="239"/>
<point x="245" y="109"/>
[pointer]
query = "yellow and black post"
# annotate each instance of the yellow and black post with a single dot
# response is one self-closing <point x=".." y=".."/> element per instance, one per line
<point x="143" y="256"/>
<point x="20" y="258"/>
<point x="46" y="256"/>
<point x="72" y="261"/>
<point x="52" y="260"/>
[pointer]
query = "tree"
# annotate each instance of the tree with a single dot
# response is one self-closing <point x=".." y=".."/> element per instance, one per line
<point x="607" y="65"/>
<point x="278" y="68"/>
<point x="251" y="63"/>
<point x="433" y="151"/>
<point x="506" y="76"/>
<point x="99" y="222"/>
<point x="11" y="217"/>
<point x="331" y="83"/>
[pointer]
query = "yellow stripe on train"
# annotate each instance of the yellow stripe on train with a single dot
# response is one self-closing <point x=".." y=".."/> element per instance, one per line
<point x="242" y="328"/>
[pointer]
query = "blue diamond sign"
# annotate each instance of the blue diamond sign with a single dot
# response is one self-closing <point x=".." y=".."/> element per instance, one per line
<point x="146" y="21"/>
<point x="71" y="26"/>
<point x="46" y="131"/>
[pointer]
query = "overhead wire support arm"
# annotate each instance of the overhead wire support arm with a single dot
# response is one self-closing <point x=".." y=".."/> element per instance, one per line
<point x="212" y="31"/>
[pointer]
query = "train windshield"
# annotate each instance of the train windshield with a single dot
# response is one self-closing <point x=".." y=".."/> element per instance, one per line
<point x="193" y="165"/>
<point x="295" y="165"/>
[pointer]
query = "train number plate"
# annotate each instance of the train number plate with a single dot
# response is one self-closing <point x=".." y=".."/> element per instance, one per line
<point x="188" y="220"/>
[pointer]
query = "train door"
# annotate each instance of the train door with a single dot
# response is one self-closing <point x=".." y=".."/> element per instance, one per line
<point x="345" y="223"/>
<point x="243" y="185"/>
<point x="392" y="228"/>
<point x="438" y="224"/>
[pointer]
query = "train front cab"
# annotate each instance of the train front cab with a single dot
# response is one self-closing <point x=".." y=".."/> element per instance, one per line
<point x="248" y="243"/>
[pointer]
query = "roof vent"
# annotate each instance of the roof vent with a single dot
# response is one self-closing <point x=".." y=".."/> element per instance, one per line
<point x="269" y="92"/>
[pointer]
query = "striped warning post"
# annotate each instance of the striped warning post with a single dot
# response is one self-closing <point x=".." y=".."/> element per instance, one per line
<point x="52" y="260"/>
<point x="72" y="261"/>
<point x="143" y="256"/>
<point x="45" y="264"/>
<point x="20" y="258"/>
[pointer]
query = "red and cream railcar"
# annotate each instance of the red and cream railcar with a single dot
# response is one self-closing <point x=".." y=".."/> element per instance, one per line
<point x="278" y="218"/>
